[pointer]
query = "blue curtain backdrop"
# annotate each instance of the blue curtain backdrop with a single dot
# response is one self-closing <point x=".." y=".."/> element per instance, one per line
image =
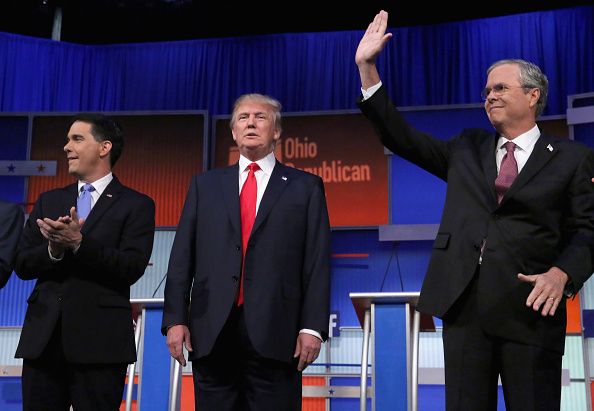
<point x="425" y="65"/>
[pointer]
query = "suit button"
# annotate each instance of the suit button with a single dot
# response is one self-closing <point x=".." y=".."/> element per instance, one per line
<point x="235" y="278"/>
<point x="238" y="248"/>
<point x="59" y="299"/>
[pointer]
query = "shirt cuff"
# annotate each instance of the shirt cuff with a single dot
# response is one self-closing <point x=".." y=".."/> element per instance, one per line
<point x="311" y="332"/>
<point x="370" y="91"/>
<point x="54" y="259"/>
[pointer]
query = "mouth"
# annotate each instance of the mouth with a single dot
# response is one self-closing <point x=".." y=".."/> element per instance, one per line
<point x="251" y="135"/>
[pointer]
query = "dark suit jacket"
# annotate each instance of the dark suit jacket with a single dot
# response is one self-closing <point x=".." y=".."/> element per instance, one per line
<point x="545" y="219"/>
<point x="286" y="286"/>
<point x="88" y="291"/>
<point x="11" y="225"/>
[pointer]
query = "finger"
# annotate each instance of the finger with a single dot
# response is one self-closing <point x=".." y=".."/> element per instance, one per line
<point x="297" y="349"/>
<point x="188" y="342"/>
<point x="73" y="214"/>
<point x="548" y="306"/>
<point x="532" y="297"/>
<point x="527" y="278"/>
<point x="383" y="21"/>
<point x="302" y="362"/>
<point x="57" y="225"/>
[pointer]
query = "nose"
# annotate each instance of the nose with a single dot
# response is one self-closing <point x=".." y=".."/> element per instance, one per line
<point x="251" y="121"/>
<point x="66" y="146"/>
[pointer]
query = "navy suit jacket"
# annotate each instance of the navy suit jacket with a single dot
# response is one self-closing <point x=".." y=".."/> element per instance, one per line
<point x="89" y="292"/>
<point x="11" y="225"/>
<point x="286" y="286"/>
<point x="545" y="219"/>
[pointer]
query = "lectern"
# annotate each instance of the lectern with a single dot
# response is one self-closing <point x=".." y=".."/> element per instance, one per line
<point x="393" y="324"/>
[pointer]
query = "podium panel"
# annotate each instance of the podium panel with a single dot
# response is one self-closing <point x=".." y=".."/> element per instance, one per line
<point x="394" y="325"/>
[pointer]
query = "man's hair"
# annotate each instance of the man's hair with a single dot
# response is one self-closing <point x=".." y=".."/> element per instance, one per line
<point x="104" y="128"/>
<point x="530" y="77"/>
<point x="263" y="99"/>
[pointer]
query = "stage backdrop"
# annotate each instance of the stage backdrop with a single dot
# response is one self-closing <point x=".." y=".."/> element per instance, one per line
<point x="161" y="153"/>
<point x="339" y="147"/>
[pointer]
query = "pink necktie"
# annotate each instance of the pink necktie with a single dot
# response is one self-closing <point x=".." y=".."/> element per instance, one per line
<point x="507" y="172"/>
<point x="247" y="205"/>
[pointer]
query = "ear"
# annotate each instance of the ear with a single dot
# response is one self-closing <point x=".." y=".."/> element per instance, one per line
<point x="277" y="134"/>
<point x="534" y="97"/>
<point x="105" y="148"/>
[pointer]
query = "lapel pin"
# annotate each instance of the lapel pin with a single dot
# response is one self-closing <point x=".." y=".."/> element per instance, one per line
<point x="284" y="178"/>
<point x="109" y="195"/>
<point x="550" y="147"/>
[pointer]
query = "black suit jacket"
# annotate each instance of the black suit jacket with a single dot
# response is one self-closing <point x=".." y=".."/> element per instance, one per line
<point x="545" y="219"/>
<point x="89" y="291"/>
<point x="286" y="286"/>
<point x="11" y="225"/>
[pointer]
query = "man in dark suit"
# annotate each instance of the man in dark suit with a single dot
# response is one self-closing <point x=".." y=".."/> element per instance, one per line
<point x="78" y="336"/>
<point x="515" y="237"/>
<point x="253" y="322"/>
<point x="11" y="225"/>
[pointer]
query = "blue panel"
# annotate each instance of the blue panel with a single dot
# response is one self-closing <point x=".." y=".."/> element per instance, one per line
<point x="389" y="326"/>
<point x="416" y="196"/>
<point x="13" y="301"/>
<point x="588" y="323"/>
<point x="13" y="146"/>
<point x="155" y="368"/>
<point x="11" y="398"/>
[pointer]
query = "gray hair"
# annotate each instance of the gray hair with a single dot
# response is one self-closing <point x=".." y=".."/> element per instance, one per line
<point x="530" y="77"/>
<point x="274" y="104"/>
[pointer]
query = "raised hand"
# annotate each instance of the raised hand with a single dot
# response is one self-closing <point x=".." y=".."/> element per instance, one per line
<point x="374" y="40"/>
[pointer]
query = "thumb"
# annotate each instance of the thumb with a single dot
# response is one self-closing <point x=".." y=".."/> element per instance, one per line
<point x="525" y="278"/>
<point x="74" y="216"/>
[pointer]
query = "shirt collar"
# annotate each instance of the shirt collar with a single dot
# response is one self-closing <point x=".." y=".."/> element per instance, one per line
<point x="524" y="141"/>
<point x="100" y="184"/>
<point x="266" y="164"/>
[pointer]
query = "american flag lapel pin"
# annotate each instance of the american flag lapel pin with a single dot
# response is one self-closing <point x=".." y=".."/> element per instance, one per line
<point x="550" y="147"/>
<point x="284" y="178"/>
<point x="109" y="195"/>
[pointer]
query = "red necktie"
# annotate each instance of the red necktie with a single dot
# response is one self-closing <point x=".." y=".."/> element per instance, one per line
<point x="247" y="205"/>
<point x="507" y="172"/>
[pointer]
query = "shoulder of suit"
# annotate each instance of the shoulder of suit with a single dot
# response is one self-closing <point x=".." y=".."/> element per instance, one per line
<point x="132" y="193"/>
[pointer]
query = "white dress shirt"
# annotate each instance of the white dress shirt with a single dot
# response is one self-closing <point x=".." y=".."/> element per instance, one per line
<point x="262" y="178"/>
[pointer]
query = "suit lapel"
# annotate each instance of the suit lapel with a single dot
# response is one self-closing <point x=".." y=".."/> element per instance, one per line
<point x="279" y="179"/>
<point x="542" y="153"/>
<point x="487" y="159"/>
<point x="110" y="195"/>
<point x="230" y="188"/>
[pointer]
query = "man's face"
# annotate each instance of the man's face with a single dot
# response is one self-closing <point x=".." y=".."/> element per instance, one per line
<point x="254" y="130"/>
<point x="508" y="104"/>
<point x="86" y="156"/>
